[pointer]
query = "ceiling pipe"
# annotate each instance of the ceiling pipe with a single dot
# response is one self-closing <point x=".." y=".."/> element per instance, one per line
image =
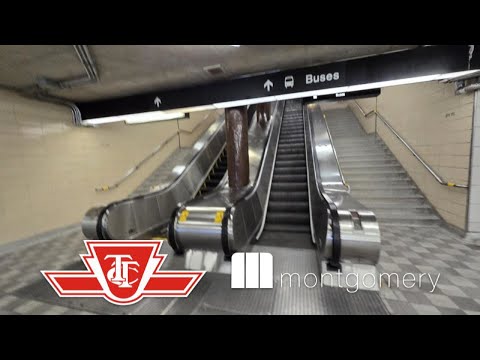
<point x="468" y="89"/>
<point x="39" y="91"/>
<point x="42" y="96"/>
<point x="88" y="63"/>
<point x="76" y="114"/>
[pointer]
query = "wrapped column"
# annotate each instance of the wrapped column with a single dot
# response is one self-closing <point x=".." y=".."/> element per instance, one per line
<point x="237" y="147"/>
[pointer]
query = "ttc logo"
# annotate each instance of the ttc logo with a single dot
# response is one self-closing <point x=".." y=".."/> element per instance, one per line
<point x="123" y="272"/>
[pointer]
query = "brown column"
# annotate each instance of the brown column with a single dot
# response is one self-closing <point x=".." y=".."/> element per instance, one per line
<point x="259" y="113"/>
<point x="237" y="147"/>
<point x="268" y="110"/>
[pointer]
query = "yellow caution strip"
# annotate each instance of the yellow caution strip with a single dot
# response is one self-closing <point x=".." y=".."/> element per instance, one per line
<point x="183" y="216"/>
<point x="219" y="217"/>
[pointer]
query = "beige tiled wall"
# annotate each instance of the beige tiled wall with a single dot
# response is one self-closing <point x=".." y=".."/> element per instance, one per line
<point x="49" y="168"/>
<point x="474" y="210"/>
<point x="438" y="125"/>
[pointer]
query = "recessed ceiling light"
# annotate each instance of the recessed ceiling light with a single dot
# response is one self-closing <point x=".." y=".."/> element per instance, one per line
<point x="235" y="45"/>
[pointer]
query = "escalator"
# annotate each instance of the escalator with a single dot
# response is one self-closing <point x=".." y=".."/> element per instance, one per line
<point x="288" y="218"/>
<point x="216" y="174"/>
<point x="296" y="198"/>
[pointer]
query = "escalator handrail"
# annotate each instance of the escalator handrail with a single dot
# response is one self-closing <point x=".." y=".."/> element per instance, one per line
<point x="220" y="123"/>
<point x="334" y="261"/>
<point x="178" y="178"/>
<point x="336" y="156"/>
<point x="154" y="152"/>
<point x="251" y="191"/>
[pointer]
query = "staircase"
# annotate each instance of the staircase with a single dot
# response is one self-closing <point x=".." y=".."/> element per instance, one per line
<point x="288" y="219"/>
<point x="375" y="176"/>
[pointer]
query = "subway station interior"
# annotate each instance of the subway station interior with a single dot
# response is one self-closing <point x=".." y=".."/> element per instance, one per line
<point x="241" y="179"/>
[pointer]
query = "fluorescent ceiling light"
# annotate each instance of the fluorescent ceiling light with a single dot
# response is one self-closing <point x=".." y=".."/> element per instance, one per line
<point x="195" y="108"/>
<point x="162" y="117"/>
<point x="235" y="103"/>
<point x="235" y="45"/>
<point x="457" y="74"/>
<point x="139" y="118"/>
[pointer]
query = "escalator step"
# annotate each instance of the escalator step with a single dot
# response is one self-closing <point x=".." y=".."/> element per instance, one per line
<point x="298" y="177"/>
<point x="294" y="133"/>
<point x="289" y="196"/>
<point x="297" y="150"/>
<point x="289" y="186"/>
<point x="289" y="163"/>
<point x="290" y="170"/>
<point x="287" y="228"/>
<point x="288" y="218"/>
<point x="292" y="129"/>
<point x="299" y="156"/>
<point x="293" y="140"/>
<point x="288" y="206"/>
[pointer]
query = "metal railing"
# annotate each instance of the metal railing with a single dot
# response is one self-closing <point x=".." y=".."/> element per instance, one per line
<point x="414" y="153"/>
<point x="335" y="153"/>
<point x="155" y="151"/>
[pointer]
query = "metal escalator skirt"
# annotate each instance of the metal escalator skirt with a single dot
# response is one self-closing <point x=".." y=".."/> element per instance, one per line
<point x="135" y="217"/>
<point x="342" y="227"/>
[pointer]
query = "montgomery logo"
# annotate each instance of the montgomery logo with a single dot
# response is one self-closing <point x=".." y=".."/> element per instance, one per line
<point x="123" y="272"/>
<point x="252" y="271"/>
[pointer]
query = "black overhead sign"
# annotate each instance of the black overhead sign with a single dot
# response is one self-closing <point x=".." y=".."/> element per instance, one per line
<point x="399" y="65"/>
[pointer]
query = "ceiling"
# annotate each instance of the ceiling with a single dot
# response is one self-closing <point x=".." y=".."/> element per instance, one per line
<point x="131" y="69"/>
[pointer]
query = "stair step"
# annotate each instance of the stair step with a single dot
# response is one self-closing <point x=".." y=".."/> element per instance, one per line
<point x="410" y="213"/>
<point x="389" y="203"/>
<point x="369" y="167"/>
<point x="382" y="186"/>
<point x="383" y="194"/>
<point x="362" y="153"/>
<point x="366" y="157"/>
<point x="402" y="176"/>
<point x="366" y="163"/>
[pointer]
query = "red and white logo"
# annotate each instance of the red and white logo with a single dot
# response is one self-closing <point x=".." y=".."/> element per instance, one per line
<point x="123" y="272"/>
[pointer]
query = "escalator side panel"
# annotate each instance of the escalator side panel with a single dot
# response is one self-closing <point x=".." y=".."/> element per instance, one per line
<point x="242" y="209"/>
<point x="352" y="233"/>
<point x="135" y="217"/>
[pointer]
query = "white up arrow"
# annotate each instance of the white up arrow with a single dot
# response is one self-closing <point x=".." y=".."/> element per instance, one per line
<point x="268" y="84"/>
<point x="157" y="102"/>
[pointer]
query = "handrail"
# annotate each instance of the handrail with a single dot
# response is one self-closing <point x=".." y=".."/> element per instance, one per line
<point x="430" y="170"/>
<point x="335" y="153"/>
<point x="148" y="157"/>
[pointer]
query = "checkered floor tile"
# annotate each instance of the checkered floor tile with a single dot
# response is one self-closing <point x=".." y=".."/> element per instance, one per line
<point x="431" y="250"/>
<point x="435" y="251"/>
